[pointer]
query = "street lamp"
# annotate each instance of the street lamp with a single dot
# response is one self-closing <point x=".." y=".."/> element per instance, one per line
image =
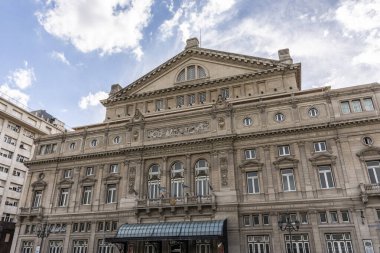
<point x="42" y="231"/>
<point x="287" y="224"/>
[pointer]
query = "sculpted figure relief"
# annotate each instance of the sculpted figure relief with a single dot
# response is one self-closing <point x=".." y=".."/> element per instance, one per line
<point x="178" y="131"/>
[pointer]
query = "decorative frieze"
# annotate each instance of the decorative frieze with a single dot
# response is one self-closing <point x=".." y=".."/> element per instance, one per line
<point x="169" y="132"/>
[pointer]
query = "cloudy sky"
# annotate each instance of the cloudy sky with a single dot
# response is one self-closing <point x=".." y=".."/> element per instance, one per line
<point x="63" y="55"/>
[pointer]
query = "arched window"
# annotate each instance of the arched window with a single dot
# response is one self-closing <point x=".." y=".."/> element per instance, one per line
<point x="177" y="180"/>
<point x="190" y="73"/>
<point x="154" y="182"/>
<point x="202" y="178"/>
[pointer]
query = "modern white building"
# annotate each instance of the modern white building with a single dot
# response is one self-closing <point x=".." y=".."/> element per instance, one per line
<point x="18" y="130"/>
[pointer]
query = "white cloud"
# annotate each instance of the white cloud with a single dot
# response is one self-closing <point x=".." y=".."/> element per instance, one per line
<point x="14" y="95"/>
<point x="190" y="18"/>
<point x="22" y="77"/>
<point x="92" y="99"/>
<point x="359" y="16"/>
<point x="60" y="56"/>
<point x="106" y="26"/>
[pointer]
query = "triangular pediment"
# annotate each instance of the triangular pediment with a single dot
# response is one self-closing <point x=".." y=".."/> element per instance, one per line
<point x="112" y="177"/>
<point x="88" y="180"/>
<point x="369" y="151"/>
<point x="65" y="182"/>
<point x="40" y="184"/>
<point x="217" y="65"/>
<point x="286" y="161"/>
<point x="322" y="158"/>
<point x="253" y="164"/>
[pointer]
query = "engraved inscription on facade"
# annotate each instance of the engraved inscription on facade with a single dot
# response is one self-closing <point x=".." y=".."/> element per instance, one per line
<point x="178" y="131"/>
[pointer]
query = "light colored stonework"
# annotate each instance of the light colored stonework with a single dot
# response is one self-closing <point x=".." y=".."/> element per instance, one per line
<point x="162" y="120"/>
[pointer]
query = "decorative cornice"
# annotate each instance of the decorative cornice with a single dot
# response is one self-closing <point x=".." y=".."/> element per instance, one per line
<point x="203" y="83"/>
<point x="322" y="158"/>
<point x="231" y="137"/>
<point x="243" y="60"/>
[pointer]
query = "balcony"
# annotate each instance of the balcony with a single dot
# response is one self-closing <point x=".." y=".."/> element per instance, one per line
<point x="31" y="211"/>
<point x="186" y="204"/>
<point x="369" y="190"/>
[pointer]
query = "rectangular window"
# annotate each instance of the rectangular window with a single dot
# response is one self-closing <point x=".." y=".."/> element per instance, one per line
<point x="284" y="150"/>
<point x="345" y="216"/>
<point x="153" y="189"/>
<point x="88" y="227"/>
<point x="27" y="229"/>
<point x="256" y="220"/>
<point x="246" y="220"/>
<point x="326" y="177"/>
<point x="21" y="159"/>
<point x="10" y="140"/>
<point x="225" y="92"/>
<point x="6" y="153"/>
<point x="374" y="171"/>
<point x="334" y="216"/>
<point x="322" y="217"/>
<point x="356" y="106"/>
<point x="253" y="182"/>
<point x="14" y="127"/>
<point x="180" y="101"/>
<point x="87" y="194"/>
<point x="114" y="225"/>
<point x="345" y="106"/>
<point x="63" y="197"/>
<point x="159" y="105"/>
<point x="202" y="246"/>
<point x="191" y="99"/>
<point x="339" y="242"/>
<point x="300" y="243"/>
<point x="75" y="227"/>
<point x="114" y="168"/>
<point x="79" y="246"/>
<point x="265" y="219"/>
<point x="107" y="226"/>
<point x="111" y="193"/>
<point x="101" y="226"/>
<point x="368" y="104"/>
<point x="4" y="168"/>
<point x="105" y="247"/>
<point x="177" y="188"/>
<point x="320" y="146"/>
<point x="89" y="171"/>
<point x="48" y="149"/>
<point x="258" y="243"/>
<point x="55" y="246"/>
<point x="82" y="227"/>
<point x="37" y="199"/>
<point x="67" y="173"/>
<point x="288" y="181"/>
<point x="378" y="213"/>
<point x="304" y="219"/>
<point x="27" y="247"/>
<point x="250" y="154"/>
<point x="202" y="97"/>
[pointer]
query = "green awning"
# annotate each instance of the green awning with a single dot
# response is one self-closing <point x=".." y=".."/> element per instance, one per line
<point x="186" y="230"/>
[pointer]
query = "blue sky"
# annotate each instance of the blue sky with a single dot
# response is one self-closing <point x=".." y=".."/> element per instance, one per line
<point x="64" y="55"/>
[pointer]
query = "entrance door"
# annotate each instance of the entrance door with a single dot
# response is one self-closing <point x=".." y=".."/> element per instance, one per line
<point x="176" y="247"/>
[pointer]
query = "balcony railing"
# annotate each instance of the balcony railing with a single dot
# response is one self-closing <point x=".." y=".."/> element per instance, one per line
<point x="187" y="204"/>
<point x="369" y="190"/>
<point x="190" y="200"/>
<point x="31" y="211"/>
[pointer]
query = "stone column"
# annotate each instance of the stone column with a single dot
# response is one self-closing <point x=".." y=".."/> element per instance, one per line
<point x="313" y="219"/>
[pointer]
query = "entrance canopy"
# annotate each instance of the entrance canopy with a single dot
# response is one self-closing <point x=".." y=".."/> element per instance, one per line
<point x="186" y="230"/>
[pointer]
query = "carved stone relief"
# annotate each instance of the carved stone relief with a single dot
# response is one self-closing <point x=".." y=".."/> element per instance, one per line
<point x="131" y="182"/>
<point x="169" y="132"/>
<point x="224" y="171"/>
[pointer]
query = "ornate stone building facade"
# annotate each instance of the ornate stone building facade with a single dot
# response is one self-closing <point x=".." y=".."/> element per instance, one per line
<point x="206" y="153"/>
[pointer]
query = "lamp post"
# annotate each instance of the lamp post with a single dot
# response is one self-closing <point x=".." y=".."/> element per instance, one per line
<point x="286" y="224"/>
<point x="43" y="230"/>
